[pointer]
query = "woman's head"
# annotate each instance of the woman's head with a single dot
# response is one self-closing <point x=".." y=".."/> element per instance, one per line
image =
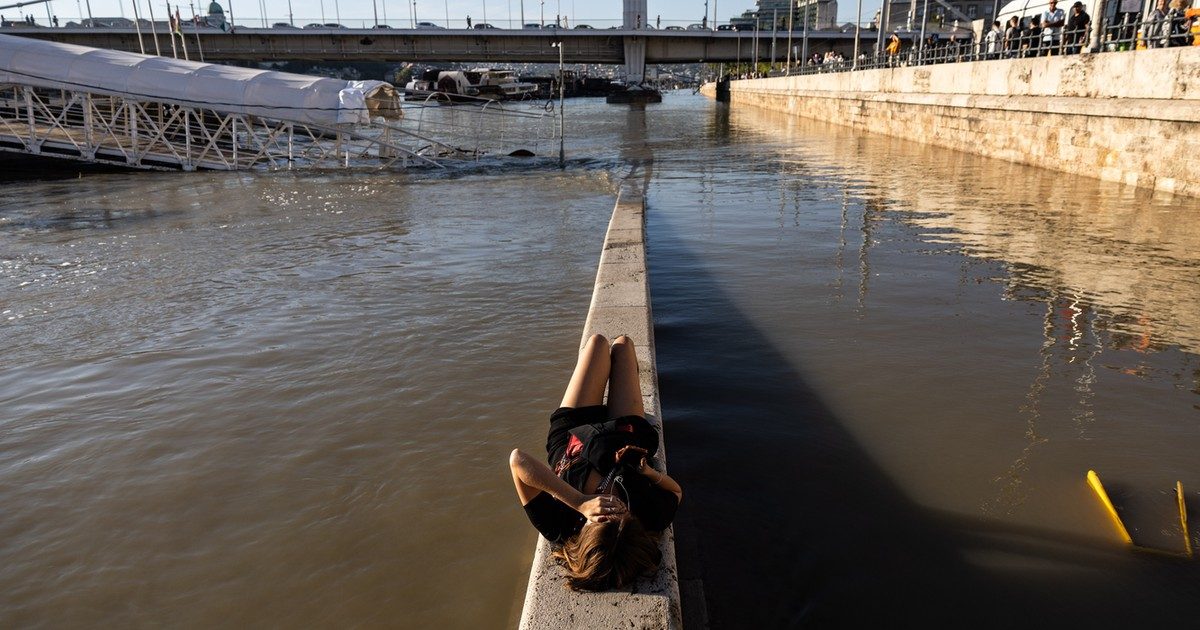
<point x="609" y="555"/>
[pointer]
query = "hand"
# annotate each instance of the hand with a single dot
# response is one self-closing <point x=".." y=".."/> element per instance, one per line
<point x="629" y="451"/>
<point x="601" y="508"/>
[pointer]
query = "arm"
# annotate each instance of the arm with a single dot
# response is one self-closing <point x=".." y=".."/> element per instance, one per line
<point x="660" y="479"/>
<point x="532" y="477"/>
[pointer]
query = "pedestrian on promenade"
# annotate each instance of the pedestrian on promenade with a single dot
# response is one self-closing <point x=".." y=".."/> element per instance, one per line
<point x="468" y="21"/>
<point x="1157" y="29"/>
<point x="893" y="49"/>
<point x="993" y="41"/>
<point x="1012" y="37"/>
<point x="1075" y="33"/>
<point x="1052" y="23"/>
<point x="602" y="501"/>
<point x="1178" y="24"/>
<point x="1031" y="37"/>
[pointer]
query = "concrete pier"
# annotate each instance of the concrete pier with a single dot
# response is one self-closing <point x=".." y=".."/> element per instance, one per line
<point x="1128" y="117"/>
<point x="620" y="306"/>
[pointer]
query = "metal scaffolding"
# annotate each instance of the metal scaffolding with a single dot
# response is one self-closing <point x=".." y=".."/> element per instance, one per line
<point x="163" y="135"/>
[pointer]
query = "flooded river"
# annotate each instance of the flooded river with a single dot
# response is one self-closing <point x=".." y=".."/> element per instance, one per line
<point x="286" y="399"/>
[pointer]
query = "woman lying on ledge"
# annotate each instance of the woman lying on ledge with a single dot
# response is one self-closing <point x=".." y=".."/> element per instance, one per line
<point x="602" y="499"/>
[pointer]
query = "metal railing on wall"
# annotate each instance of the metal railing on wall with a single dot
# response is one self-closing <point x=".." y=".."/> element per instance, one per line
<point x="1158" y="31"/>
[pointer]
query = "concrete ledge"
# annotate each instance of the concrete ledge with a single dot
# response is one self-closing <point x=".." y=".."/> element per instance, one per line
<point x="620" y="306"/>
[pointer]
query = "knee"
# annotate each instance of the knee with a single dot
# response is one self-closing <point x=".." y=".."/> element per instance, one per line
<point x="623" y="345"/>
<point x="516" y="458"/>
<point x="597" y="341"/>
<point x="597" y="345"/>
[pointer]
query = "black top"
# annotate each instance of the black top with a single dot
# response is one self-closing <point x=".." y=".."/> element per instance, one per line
<point x="601" y="439"/>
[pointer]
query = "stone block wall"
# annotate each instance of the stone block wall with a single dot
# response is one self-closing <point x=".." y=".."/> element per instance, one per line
<point x="1131" y="117"/>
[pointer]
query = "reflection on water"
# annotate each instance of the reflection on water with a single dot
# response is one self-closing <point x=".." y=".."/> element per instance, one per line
<point x="970" y="336"/>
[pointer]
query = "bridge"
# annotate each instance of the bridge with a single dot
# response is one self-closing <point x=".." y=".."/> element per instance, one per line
<point x="468" y="45"/>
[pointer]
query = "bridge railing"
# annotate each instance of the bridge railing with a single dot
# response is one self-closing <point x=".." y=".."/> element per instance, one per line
<point x="284" y="22"/>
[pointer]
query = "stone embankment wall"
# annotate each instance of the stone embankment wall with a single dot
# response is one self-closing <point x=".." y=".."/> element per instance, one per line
<point x="620" y="306"/>
<point x="1129" y="117"/>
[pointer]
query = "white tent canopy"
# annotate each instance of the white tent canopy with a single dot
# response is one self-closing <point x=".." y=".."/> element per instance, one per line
<point x="265" y="93"/>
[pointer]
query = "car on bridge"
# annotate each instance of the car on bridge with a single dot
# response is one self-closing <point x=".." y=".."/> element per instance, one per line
<point x="587" y="27"/>
<point x="429" y="25"/>
<point x="725" y="27"/>
<point x="484" y="26"/>
<point x="381" y="26"/>
<point x="314" y="25"/>
<point x="673" y="28"/>
<point x="283" y="25"/>
<point x="697" y="27"/>
<point x="332" y="25"/>
<point x="532" y="25"/>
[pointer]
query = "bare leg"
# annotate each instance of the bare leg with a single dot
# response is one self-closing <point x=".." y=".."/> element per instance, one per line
<point x="591" y="374"/>
<point x="624" y="388"/>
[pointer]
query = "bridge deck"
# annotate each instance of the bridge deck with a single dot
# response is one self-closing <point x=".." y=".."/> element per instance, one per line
<point x="496" y="45"/>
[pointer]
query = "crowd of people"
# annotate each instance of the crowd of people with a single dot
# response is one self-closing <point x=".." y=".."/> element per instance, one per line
<point x="1058" y="32"/>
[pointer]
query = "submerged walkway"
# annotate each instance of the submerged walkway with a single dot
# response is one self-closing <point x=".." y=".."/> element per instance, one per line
<point x="158" y="113"/>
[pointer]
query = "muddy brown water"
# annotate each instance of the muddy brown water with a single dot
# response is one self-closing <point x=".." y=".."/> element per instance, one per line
<point x="286" y="399"/>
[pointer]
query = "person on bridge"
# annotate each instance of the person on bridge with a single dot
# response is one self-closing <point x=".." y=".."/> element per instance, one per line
<point x="602" y="501"/>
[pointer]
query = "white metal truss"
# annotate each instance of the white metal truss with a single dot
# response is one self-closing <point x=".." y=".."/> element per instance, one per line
<point x="164" y="135"/>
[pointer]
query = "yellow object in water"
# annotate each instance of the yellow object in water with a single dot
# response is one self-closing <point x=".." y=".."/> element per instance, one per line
<point x="1187" y="537"/>
<point x="1094" y="482"/>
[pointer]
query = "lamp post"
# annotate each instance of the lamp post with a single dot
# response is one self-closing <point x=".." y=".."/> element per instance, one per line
<point x="562" y="116"/>
<point x="375" y="9"/>
<point x="414" y="14"/>
<point x="804" y="46"/>
<point x="791" y="15"/>
<point x="447" y="13"/>
<point x="924" y="19"/>
<point x="291" y="18"/>
<point x="857" y="34"/>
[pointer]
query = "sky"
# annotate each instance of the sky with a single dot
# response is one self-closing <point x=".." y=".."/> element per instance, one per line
<point x="356" y="13"/>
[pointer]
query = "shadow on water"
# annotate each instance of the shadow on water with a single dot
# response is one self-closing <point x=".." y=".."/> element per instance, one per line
<point x="788" y="522"/>
<point x="19" y="167"/>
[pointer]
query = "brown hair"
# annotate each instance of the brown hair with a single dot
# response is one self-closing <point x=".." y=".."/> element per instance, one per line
<point x="603" y="556"/>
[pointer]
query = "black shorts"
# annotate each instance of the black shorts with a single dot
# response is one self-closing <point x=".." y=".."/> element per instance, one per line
<point x="563" y="420"/>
